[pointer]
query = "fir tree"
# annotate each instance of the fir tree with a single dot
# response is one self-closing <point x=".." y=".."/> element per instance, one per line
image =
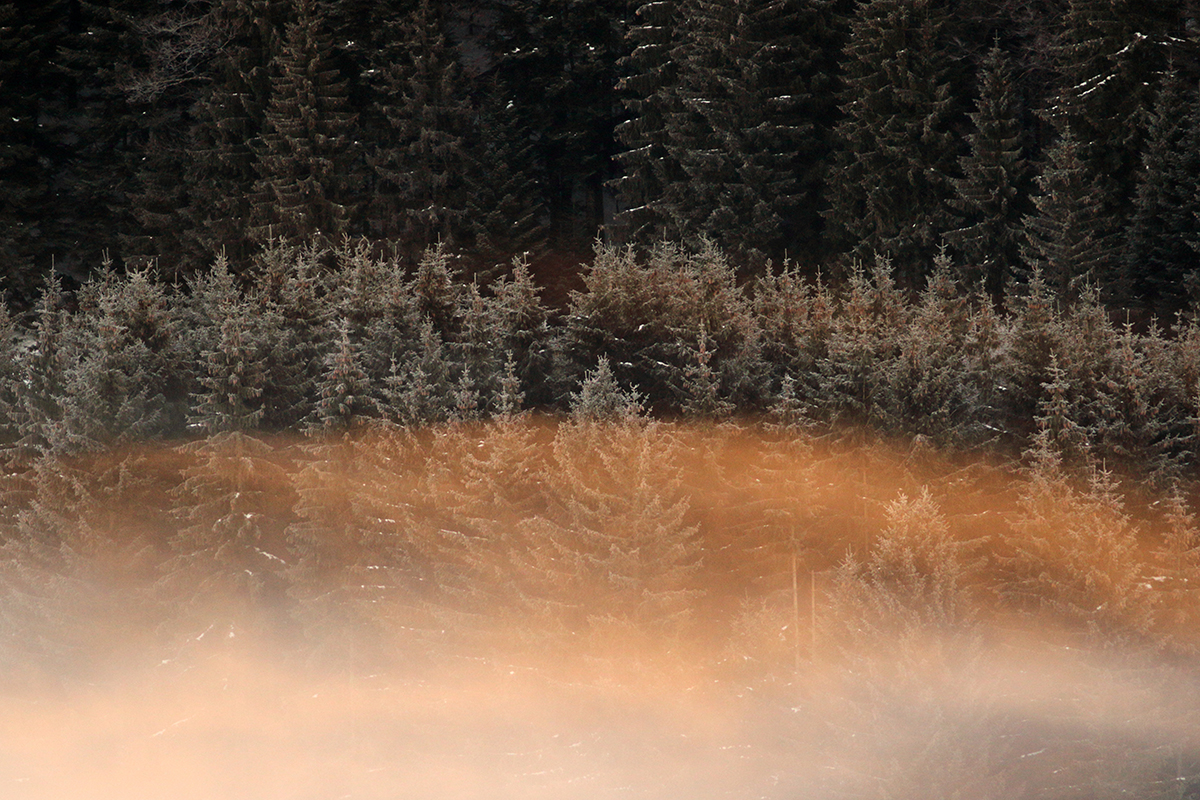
<point x="520" y="323"/>
<point x="373" y="295"/>
<point x="936" y="387"/>
<point x="863" y="346"/>
<point x="1069" y="235"/>
<point x="424" y="160"/>
<point x="324" y="539"/>
<point x="1036" y="333"/>
<point x="291" y="289"/>
<point x="419" y="389"/>
<point x="991" y="193"/>
<point x="644" y="317"/>
<point x="122" y="389"/>
<point x="305" y="153"/>
<point x="916" y="576"/>
<point x="556" y="61"/>
<point x="600" y="397"/>
<point x="647" y="85"/>
<point x="229" y="118"/>
<point x="10" y="370"/>
<point x="1108" y="57"/>
<point x="622" y="527"/>
<point x="506" y="210"/>
<point x="741" y="126"/>
<point x="1160" y="258"/>
<point x="795" y="317"/>
<point x="890" y="187"/>
<point x="168" y="59"/>
<point x="1077" y="555"/>
<point x="344" y="391"/>
<point x="234" y="503"/>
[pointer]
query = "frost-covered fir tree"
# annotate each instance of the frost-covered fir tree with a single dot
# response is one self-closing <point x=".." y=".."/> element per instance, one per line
<point x="324" y="539"/>
<point x="234" y="502"/>
<point x="645" y="315"/>
<point x="291" y="289"/>
<point x="935" y="387"/>
<point x="863" y="346"/>
<point x="521" y="328"/>
<point x="622" y="522"/>
<point x="1077" y="556"/>
<point x="795" y="317"/>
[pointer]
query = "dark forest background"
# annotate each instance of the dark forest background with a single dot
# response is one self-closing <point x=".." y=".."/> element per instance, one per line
<point x="1018" y="134"/>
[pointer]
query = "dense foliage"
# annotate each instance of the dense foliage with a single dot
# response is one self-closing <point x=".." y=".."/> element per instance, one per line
<point x="824" y="131"/>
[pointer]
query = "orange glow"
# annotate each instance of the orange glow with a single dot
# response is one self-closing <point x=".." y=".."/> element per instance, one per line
<point x="531" y="608"/>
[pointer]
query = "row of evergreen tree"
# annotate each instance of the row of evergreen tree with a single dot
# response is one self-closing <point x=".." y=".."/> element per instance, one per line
<point x="1057" y="134"/>
<point x="311" y="339"/>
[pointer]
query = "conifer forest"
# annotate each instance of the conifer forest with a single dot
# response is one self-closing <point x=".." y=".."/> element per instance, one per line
<point x="787" y="399"/>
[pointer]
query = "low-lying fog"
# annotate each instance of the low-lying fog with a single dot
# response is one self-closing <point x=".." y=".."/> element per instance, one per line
<point x="624" y="610"/>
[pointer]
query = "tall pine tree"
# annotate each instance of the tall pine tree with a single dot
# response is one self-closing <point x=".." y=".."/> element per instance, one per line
<point x="991" y="193"/>
<point x="1160" y="252"/>
<point x="423" y="158"/>
<point x="742" y="127"/>
<point x="228" y="118"/>
<point x="890" y="189"/>
<point x="306" y="151"/>
<point x="1068" y="234"/>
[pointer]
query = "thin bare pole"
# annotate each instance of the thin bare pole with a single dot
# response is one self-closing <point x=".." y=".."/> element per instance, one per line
<point x="812" y="612"/>
<point x="796" y="610"/>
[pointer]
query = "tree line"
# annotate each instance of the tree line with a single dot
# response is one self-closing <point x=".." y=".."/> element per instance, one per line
<point x="309" y="339"/>
<point x="1049" y="134"/>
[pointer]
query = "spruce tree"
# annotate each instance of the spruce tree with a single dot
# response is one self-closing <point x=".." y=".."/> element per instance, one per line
<point x="937" y="386"/>
<point x="1035" y="333"/>
<point x="291" y="290"/>
<point x="423" y="159"/>
<point x="506" y="211"/>
<point x="556" y="61"/>
<point x="1108" y="59"/>
<point x="168" y="61"/>
<point x="890" y="187"/>
<point x="123" y="389"/>
<point x="745" y="129"/>
<point x="622" y="527"/>
<point x="795" y="317"/>
<point x="863" y="346"/>
<point x="991" y="194"/>
<point x="234" y="503"/>
<point x="324" y="538"/>
<point x="520" y="328"/>
<point x="1069" y="237"/>
<point x="305" y="153"/>
<point x="647" y="86"/>
<point x="345" y="399"/>
<point x="1160" y="258"/>
<point x="228" y="118"/>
